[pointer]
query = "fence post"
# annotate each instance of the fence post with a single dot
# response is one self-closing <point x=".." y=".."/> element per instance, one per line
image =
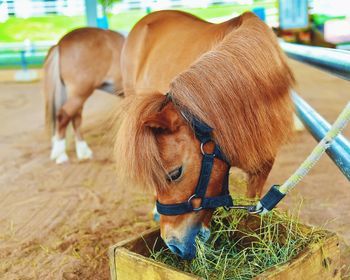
<point x="91" y="12"/>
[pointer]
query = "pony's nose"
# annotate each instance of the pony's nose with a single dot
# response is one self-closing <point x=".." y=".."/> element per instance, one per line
<point x="184" y="251"/>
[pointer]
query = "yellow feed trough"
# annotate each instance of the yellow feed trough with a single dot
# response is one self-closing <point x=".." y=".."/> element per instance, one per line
<point x="318" y="259"/>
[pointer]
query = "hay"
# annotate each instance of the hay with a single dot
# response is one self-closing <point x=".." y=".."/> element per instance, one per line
<point x="242" y="246"/>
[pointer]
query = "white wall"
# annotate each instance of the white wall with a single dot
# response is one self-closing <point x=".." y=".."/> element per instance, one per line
<point x="30" y="8"/>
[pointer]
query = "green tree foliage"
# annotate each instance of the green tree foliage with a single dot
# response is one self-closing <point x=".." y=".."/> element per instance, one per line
<point x="107" y="4"/>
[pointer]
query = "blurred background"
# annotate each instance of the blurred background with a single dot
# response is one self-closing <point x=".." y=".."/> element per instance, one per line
<point x="29" y="27"/>
<point x="57" y="221"/>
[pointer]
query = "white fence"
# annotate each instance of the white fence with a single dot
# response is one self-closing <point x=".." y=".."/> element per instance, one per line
<point x="166" y="4"/>
<point x="32" y="8"/>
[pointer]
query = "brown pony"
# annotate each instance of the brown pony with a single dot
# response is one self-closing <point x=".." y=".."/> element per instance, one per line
<point x="233" y="77"/>
<point x="82" y="61"/>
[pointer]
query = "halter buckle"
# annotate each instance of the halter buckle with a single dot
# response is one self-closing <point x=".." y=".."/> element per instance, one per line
<point x="203" y="152"/>
<point x="251" y="209"/>
<point x="195" y="209"/>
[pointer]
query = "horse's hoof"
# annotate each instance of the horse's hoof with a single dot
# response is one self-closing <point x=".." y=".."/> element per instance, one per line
<point x="156" y="216"/>
<point x="62" y="158"/>
<point x="58" y="151"/>
<point x="83" y="151"/>
<point x="298" y="125"/>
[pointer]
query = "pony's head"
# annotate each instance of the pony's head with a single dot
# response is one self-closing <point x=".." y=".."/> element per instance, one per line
<point x="164" y="152"/>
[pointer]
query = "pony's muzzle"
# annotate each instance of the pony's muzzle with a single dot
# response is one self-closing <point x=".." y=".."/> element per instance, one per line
<point x="183" y="250"/>
<point x="186" y="247"/>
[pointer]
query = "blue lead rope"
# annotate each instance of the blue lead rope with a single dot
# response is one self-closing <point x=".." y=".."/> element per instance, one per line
<point x="276" y="193"/>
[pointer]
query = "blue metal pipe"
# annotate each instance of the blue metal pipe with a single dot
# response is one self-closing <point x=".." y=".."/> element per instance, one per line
<point x="24" y="63"/>
<point x="337" y="62"/>
<point x="339" y="151"/>
<point x="91" y="12"/>
<point x="11" y="59"/>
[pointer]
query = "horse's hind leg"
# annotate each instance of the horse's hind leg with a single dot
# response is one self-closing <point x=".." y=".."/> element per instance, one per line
<point x="65" y="114"/>
<point x="58" y="151"/>
<point x="81" y="147"/>
<point x="257" y="179"/>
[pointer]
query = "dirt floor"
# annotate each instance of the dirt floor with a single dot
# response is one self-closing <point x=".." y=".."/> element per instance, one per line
<point x="56" y="222"/>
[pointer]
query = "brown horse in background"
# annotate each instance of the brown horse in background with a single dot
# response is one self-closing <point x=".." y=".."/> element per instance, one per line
<point x="83" y="60"/>
<point x="232" y="76"/>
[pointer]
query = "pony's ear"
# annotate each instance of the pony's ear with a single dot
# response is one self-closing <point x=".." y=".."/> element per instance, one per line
<point x="166" y="120"/>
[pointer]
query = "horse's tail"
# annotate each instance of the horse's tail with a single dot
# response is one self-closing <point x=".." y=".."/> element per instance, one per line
<point x="54" y="89"/>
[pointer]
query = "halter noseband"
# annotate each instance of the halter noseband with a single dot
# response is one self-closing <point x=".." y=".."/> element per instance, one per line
<point x="203" y="134"/>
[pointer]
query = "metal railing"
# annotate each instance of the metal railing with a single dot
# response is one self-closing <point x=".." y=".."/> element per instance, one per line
<point x="339" y="151"/>
<point x="24" y="54"/>
<point x="336" y="62"/>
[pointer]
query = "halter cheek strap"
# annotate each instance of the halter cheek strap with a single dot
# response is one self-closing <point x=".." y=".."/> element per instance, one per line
<point x="203" y="134"/>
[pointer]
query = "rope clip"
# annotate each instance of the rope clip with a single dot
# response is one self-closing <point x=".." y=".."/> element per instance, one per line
<point x="251" y="209"/>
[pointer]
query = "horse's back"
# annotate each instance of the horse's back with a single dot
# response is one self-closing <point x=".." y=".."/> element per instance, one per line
<point x="163" y="44"/>
<point x="90" y="56"/>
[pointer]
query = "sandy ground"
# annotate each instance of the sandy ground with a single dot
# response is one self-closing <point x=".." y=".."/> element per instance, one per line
<point x="56" y="222"/>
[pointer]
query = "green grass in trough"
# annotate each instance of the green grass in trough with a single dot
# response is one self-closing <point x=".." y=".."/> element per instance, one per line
<point x="242" y="246"/>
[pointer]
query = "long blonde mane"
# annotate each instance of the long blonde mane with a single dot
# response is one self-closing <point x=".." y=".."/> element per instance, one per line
<point x="240" y="88"/>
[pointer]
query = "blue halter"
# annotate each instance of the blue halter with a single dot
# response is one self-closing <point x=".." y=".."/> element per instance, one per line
<point x="203" y="133"/>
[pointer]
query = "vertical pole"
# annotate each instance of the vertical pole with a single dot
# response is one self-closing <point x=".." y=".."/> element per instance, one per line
<point x="24" y="63"/>
<point x="293" y="14"/>
<point x="91" y="12"/>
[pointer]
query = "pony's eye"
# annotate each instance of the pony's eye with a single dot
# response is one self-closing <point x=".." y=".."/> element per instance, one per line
<point x="175" y="175"/>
